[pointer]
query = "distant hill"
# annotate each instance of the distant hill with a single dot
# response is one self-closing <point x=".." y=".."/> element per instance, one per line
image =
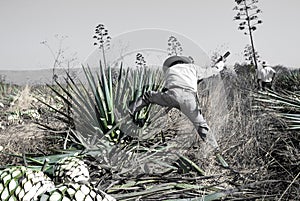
<point x="37" y="77"/>
<point x="44" y="76"/>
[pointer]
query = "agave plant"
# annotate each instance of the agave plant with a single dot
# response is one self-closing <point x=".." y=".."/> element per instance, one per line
<point x="137" y="82"/>
<point x="99" y="108"/>
<point x="281" y="143"/>
<point x="144" y="80"/>
<point x="288" y="80"/>
<point x="285" y="105"/>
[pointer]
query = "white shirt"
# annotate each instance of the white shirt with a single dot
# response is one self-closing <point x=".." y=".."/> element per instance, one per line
<point x="186" y="76"/>
<point x="258" y="71"/>
<point x="182" y="76"/>
<point x="267" y="74"/>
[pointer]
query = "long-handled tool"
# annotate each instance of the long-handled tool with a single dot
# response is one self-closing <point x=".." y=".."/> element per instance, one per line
<point x="215" y="145"/>
<point x="221" y="59"/>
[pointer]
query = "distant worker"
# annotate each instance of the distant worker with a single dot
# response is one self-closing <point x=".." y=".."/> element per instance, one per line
<point x="267" y="75"/>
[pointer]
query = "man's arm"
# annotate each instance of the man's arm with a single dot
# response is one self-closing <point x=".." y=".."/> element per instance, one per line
<point x="273" y="76"/>
<point x="213" y="69"/>
<point x="220" y="63"/>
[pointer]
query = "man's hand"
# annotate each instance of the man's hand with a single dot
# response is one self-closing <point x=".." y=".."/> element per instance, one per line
<point x="220" y="63"/>
<point x="198" y="81"/>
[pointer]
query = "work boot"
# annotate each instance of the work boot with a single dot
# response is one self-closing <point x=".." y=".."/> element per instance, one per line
<point x="136" y="105"/>
<point x="132" y="108"/>
<point x="203" y="131"/>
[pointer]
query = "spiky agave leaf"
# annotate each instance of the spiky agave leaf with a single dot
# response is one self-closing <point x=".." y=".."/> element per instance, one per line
<point x="76" y="97"/>
<point x="137" y="82"/>
<point x="21" y="183"/>
<point x="71" y="169"/>
<point x="144" y="79"/>
<point x="92" y="108"/>
<point x="99" y="108"/>
<point x="75" y="192"/>
<point x="101" y="88"/>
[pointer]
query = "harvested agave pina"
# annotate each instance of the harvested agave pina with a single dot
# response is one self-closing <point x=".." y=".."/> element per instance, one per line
<point x="71" y="169"/>
<point x="23" y="184"/>
<point x="75" y="192"/>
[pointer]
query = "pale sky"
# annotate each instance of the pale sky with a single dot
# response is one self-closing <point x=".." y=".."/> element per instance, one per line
<point x="209" y="23"/>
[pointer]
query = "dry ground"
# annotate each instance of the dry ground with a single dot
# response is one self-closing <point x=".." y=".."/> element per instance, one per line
<point x="21" y="139"/>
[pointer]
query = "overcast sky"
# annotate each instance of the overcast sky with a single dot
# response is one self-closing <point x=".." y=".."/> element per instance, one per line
<point x="25" y="23"/>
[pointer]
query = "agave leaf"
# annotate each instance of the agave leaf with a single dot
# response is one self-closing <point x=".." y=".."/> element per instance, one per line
<point x="79" y="107"/>
<point x="52" y="158"/>
<point x="187" y="164"/>
<point x="222" y="161"/>
<point x="123" y="90"/>
<point x="59" y="94"/>
<point x="153" y="190"/>
<point x="79" y="104"/>
<point x="99" y="103"/>
<point x="83" y="101"/>
<point x="140" y="85"/>
<point x="166" y="165"/>
<point x="53" y="108"/>
<point x="276" y="98"/>
<point x="294" y="127"/>
<point x="144" y="80"/>
<point x="189" y="186"/>
<point x="88" y="139"/>
<point x="106" y="93"/>
<point x="285" y="105"/>
<point x="104" y="104"/>
<point x="214" y="196"/>
<point x="119" y="84"/>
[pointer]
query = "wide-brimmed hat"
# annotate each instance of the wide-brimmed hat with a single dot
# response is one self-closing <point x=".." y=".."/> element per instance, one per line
<point x="264" y="64"/>
<point x="172" y="59"/>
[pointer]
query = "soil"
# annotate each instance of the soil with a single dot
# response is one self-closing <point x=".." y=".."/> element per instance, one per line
<point x="19" y="139"/>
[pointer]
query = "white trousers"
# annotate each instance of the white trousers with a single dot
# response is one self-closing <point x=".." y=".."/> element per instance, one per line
<point x="182" y="99"/>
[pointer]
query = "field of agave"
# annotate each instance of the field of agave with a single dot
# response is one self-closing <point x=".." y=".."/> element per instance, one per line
<point x="75" y="140"/>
